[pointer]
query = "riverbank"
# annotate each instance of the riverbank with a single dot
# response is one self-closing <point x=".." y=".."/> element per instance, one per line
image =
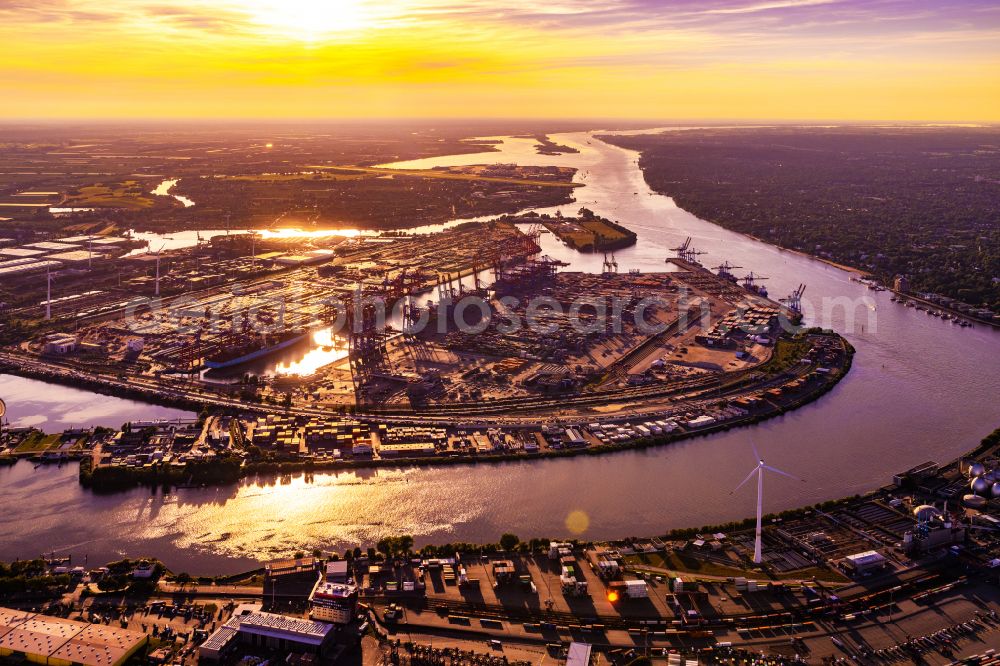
<point x="830" y="262"/>
<point x="944" y="308"/>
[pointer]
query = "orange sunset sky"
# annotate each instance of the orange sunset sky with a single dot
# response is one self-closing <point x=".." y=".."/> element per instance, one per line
<point x="717" y="59"/>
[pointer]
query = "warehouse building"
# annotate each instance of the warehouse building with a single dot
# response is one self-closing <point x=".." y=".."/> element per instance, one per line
<point x="867" y="562"/>
<point x="75" y="240"/>
<point x="76" y="258"/>
<point x="407" y="450"/>
<point x="58" y="642"/>
<point x="305" y="566"/>
<point x="60" y="344"/>
<point x="21" y="252"/>
<point x="252" y="628"/>
<point x="15" y="267"/>
<point x="53" y="247"/>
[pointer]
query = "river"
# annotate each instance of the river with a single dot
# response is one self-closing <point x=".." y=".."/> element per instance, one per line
<point x="163" y="190"/>
<point x="919" y="390"/>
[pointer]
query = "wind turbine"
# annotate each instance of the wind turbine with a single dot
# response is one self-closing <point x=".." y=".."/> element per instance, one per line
<point x="158" y="268"/>
<point x="48" y="294"/>
<point x="759" y="471"/>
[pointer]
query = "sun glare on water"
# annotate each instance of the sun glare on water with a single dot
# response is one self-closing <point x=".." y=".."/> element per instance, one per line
<point x="308" y="20"/>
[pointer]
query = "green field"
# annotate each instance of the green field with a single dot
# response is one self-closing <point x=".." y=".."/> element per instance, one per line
<point x="127" y="194"/>
<point x="38" y="442"/>
<point x="786" y="354"/>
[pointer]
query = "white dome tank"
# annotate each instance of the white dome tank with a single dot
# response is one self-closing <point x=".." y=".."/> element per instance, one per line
<point x="976" y="469"/>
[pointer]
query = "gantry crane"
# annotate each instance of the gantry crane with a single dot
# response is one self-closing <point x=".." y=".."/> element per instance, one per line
<point x="750" y="281"/>
<point x="794" y="299"/>
<point x="725" y="270"/>
<point x="682" y="249"/>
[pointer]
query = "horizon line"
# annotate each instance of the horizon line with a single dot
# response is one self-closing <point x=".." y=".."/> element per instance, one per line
<point x="49" y="120"/>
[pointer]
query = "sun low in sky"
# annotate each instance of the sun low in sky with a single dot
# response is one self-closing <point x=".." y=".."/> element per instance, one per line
<point x="906" y="60"/>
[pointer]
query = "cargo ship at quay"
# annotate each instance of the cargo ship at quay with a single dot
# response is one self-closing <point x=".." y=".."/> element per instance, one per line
<point x="253" y="350"/>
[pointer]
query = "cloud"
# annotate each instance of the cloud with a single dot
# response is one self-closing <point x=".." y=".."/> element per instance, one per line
<point x="195" y="17"/>
<point x="51" y="11"/>
<point x="768" y="6"/>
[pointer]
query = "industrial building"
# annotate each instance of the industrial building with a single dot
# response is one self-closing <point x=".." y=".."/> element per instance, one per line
<point x="869" y="561"/>
<point x="53" y="246"/>
<point x="407" y="450"/>
<point x="59" y="344"/>
<point x="333" y="602"/>
<point x="59" y="642"/>
<point x="289" y="567"/>
<point x="21" y="252"/>
<point x="334" y="598"/>
<point x="76" y="257"/>
<point x="254" y="628"/>
<point x="24" y="265"/>
<point x="932" y="531"/>
<point x="337" y="571"/>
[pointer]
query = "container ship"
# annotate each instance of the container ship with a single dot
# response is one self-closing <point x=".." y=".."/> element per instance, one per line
<point x="252" y="349"/>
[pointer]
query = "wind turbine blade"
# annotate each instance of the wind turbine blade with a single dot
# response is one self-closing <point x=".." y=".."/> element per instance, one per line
<point x="778" y="471"/>
<point x="756" y="454"/>
<point x="749" y="476"/>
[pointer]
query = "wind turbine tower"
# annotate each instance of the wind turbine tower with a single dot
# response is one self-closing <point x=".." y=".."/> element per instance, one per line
<point x="158" y="268"/>
<point x="48" y="293"/>
<point x="759" y="471"/>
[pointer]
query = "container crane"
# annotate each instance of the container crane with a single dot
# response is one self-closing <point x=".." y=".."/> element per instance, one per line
<point x="692" y="255"/>
<point x="725" y="270"/>
<point x="750" y="281"/>
<point x="610" y="265"/>
<point x="681" y="249"/>
<point x="794" y="299"/>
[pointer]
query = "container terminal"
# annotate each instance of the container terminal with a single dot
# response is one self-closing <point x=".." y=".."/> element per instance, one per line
<point x="464" y="344"/>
